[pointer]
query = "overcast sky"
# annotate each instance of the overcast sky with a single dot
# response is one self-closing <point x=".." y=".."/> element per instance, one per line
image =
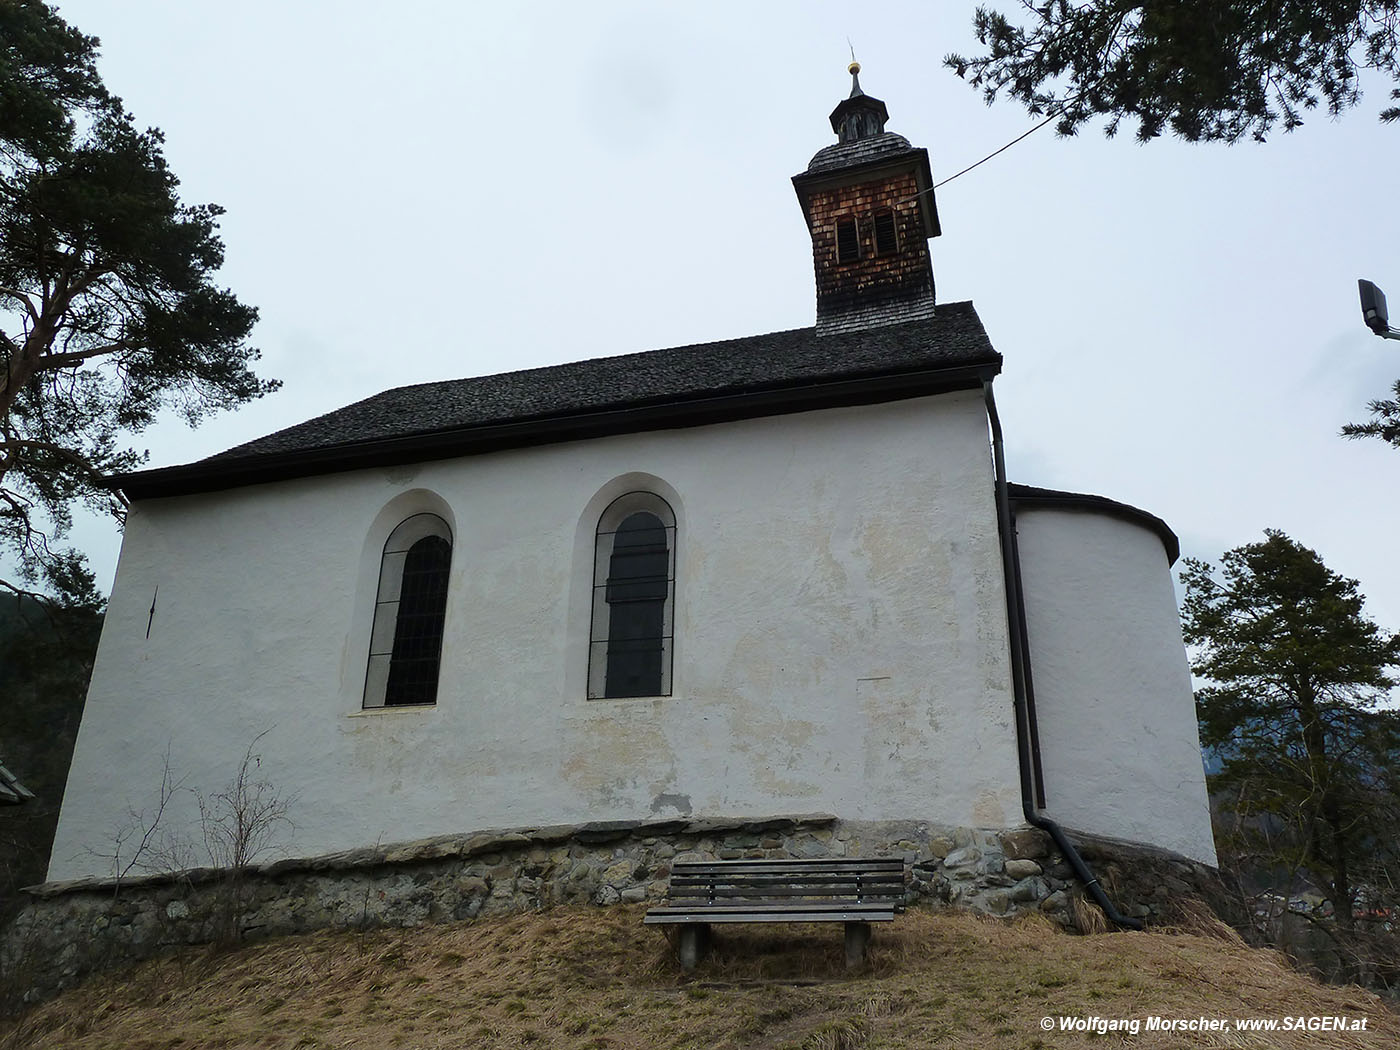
<point x="427" y="191"/>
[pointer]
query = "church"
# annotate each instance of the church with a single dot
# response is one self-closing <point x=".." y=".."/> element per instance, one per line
<point x="775" y="575"/>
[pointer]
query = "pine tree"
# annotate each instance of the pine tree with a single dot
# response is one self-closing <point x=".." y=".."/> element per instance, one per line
<point x="1205" y="70"/>
<point x="1386" y="422"/>
<point x="1297" y="678"/>
<point x="108" y="308"/>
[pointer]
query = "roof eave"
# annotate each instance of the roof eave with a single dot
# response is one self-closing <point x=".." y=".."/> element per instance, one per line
<point x="216" y="475"/>
<point x="1030" y="497"/>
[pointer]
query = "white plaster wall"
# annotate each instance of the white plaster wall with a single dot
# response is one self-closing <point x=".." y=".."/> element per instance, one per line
<point x="1118" y="739"/>
<point x="840" y="640"/>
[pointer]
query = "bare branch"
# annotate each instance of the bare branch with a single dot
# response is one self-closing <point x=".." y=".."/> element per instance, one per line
<point x="57" y="361"/>
<point x="76" y="458"/>
<point x="149" y="824"/>
<point x="23" y="593"/>
<point x="22" y="296"/>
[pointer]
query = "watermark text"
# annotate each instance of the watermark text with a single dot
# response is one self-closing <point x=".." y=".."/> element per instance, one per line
<point x="1097" y="1025"/>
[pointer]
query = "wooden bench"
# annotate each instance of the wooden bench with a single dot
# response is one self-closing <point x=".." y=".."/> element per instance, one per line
<point x="854" y="891"/>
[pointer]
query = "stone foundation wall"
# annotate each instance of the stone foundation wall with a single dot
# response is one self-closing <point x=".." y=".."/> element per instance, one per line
<point x="71" y="929"/>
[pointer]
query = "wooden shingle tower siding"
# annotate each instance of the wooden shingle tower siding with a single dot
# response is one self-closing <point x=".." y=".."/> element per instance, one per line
<point x="868" y="202"/>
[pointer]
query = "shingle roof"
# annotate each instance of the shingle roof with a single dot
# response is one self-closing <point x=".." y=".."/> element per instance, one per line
<point x="954" y="337"/>
<point x="682" y="386"/>
<point x="860" y="151"/>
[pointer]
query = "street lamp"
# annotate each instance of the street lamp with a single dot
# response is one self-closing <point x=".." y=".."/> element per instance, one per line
<point x="1373" y="311"/>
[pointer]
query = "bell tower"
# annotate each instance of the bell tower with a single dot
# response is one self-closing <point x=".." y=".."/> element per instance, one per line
<point x="868" y="202"/>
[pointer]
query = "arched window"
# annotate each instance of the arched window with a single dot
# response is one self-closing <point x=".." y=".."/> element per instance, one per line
<point x="634" y="591"/>
<point x="406" y="640"/>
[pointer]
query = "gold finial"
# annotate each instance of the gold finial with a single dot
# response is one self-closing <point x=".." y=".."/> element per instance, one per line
<point x="853" y="68"/>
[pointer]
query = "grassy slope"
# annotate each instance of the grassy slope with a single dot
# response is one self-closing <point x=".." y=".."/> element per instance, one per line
<point x="596" y="978"/>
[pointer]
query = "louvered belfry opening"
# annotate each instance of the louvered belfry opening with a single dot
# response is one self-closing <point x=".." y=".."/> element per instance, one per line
<point x="847" y="241"/>
<point x="413" y="666"/>
<point x="638" y="582"/>
<point x="886" y="243"/>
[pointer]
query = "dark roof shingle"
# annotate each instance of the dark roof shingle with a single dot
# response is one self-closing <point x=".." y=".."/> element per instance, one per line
<point x="859" y="151"/>
<point x="654" y="389"/>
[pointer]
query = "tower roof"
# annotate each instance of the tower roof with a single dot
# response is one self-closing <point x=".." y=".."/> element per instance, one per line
<point x="884" y="146"/>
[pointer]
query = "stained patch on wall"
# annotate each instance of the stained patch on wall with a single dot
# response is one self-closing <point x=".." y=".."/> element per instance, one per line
<point x="895" y="742"/>
<point x="988" y="811"/>
<point x="663" y="801"/>
<point x="775" y="746"/>
<point x="616" y="747"/>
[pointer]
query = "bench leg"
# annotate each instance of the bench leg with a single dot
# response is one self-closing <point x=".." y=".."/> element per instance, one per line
<point x="694" y="939"/>
<point x="857" y="937"/>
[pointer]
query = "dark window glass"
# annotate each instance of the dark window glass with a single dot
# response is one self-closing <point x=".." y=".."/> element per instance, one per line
<point x="413" y="668"/>
<point x="638" y="580"/>
<point x="885" y="241"/>
<point x="847" y="243"/>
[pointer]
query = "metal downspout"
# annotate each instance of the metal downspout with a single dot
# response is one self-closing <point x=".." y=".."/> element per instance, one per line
<point x="1028" y="760"/>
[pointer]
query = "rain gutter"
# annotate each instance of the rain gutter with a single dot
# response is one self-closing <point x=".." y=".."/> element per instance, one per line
<point x="1027" y="734"/>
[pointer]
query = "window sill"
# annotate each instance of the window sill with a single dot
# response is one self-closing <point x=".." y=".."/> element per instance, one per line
<point x="393" y="709"/>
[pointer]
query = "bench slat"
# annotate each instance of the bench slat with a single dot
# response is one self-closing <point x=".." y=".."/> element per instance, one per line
<point x="893" y="858"/>
<point x="706" y="915"/>
<point x="783" y="865"/>
<point x="778" y="879"/>
<point x="775" y="878"/>
<point x="801" y="876"/>
<point x="834" y="904"/>
<point x="892" y="864"/>
<point x="803" y="862"/>
<point x="787" y="891"/>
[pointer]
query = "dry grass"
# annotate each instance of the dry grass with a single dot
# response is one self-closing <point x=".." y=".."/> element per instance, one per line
<point x="596" y="979"/>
